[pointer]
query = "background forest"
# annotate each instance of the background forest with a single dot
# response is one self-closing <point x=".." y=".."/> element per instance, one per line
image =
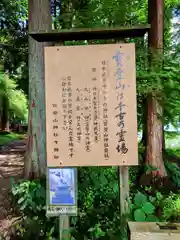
<point x="98" y="198"/>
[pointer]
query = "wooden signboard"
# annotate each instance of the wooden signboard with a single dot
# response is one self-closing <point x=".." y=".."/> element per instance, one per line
<point x="91" y="117"/>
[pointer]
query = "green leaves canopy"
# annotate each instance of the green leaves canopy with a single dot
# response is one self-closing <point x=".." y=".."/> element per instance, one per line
<point x="17" y="101"/>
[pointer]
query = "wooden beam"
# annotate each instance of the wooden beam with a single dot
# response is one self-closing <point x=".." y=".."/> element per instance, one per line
<point x="90" y="33"/>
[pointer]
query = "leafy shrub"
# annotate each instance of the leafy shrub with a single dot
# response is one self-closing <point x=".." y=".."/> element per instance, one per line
<point x="30" y="200"/>
<point x="142" y="208"/>
<point x="30" y="197"/>
<point x="172" y="165"/>
<point x="174" y="172"/>
<point x="155" y="208"/>
<point x="171" y="207"/>
<point x="98" y="202"/>
<point x="98" y="218"/>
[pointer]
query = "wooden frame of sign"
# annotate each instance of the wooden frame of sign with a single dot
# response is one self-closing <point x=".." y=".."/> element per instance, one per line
<point x="89" y="34"/>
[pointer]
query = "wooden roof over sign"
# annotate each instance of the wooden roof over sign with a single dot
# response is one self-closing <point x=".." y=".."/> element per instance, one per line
<point x="90" y="33"/>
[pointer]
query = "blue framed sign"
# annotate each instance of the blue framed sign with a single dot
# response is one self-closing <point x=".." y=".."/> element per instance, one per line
<point x="61" y="191"/>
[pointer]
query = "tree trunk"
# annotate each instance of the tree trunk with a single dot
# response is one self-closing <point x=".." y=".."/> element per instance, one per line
<point x="154" y="155"/>
<point x="144" y="120"/>
<point x="35" y="159"/>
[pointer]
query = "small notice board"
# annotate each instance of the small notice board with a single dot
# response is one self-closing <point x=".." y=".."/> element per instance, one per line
<point x="91" y="116"/>
<point x="61" y="192"/>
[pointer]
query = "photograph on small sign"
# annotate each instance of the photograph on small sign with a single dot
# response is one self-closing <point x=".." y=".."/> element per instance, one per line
<point x="61" y="191"/>
<point x="62" y="186"/>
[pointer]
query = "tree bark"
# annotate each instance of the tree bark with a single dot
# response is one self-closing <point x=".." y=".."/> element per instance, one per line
<point x="35" y="159"/>
<point x="144" y="128"/>
<point x="154" y="125"/>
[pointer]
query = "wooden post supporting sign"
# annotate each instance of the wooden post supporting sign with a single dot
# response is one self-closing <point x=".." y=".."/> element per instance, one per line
<point x="124" y="189"/>
<point x="64" y="227"/>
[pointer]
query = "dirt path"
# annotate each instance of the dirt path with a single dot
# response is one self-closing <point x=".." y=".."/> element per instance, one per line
<point x="11" y="166"/>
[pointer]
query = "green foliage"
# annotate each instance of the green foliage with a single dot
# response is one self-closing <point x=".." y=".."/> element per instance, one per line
<point x="17" y="101"/>
<point x="30" y="200"/>
<point x="173" y="140"/>
<point x="96" y="231"/>
<point x="142" y="208"/>
<point x="30" y="197"/>
<point x="98" y="216"/>
<point x="140" y="199"/>
<point x="18" y="105"/>
<point x="13" y="35"/>
<point x="174" y="151"/>
<point x="174" y="172"/>
<point x="98" y="204"/>
<point x="172" y="163"/>
<point x="86" y="13"/>
<point x="139" y="215"/>
<point x="135" y="171"/>
<point x="171" y="207"/>
<point x="7" y="138"/>
<point x="162" y="82"/>
<point x="146" y="207"/>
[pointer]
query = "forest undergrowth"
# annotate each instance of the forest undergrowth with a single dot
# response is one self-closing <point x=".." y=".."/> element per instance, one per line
<point x="153" y="200"/>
